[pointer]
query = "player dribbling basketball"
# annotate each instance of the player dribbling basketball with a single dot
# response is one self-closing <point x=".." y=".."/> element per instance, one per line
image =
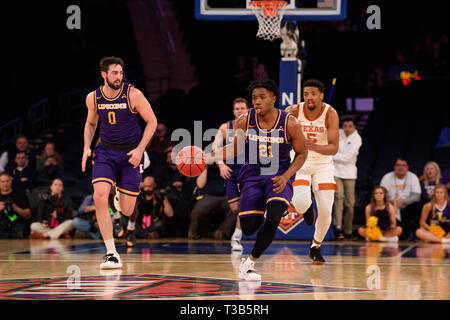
<point x="266" y="133"/>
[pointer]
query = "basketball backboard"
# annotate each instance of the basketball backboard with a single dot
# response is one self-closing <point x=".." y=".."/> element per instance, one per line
<point x="295" y="10"/>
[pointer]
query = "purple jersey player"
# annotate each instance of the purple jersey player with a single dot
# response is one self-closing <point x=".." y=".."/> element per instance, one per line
<point x="127" y="123"/>
<point x="230" y="170"/>
<point x="265" y="180"/>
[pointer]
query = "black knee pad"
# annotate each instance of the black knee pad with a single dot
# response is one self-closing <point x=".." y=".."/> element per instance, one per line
<point x="275" y="210"/>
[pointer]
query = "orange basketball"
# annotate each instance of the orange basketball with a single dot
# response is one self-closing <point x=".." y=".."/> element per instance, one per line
<point x="190" y="161"/>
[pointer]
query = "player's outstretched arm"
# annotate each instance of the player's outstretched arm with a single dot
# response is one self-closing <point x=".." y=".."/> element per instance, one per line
<point x="295" y="133"/>
<point x="225" y="171"/>
<point x="332" y="147"/>
<point x="236" y="147"/>
<point x="293" y="109"/>
<point x="89" y="128"/>
<point x="142" y="106"/>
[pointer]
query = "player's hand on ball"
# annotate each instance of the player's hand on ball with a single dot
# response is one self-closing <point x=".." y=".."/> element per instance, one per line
<point x="86" y="154"/>
<point x="135" y="157"/>
<point x="279" y="182"/>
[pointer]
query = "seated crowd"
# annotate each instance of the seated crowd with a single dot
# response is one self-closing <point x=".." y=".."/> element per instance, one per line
<point x="407" y="207"/>
<point x="33" y="203"/>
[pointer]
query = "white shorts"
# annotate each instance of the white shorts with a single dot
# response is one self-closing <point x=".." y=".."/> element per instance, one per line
<point x="320" y="175"/>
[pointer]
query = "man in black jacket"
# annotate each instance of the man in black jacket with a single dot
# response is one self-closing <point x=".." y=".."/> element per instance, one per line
<point x="15" y="212"/>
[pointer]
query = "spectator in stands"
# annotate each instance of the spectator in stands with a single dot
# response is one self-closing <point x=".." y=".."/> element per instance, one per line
<point x="153" y="208"/>
<point x="435" y="218"/>
<point x="49" y="163"/>
<point x="259" y="71"/>
<point x="15" y="212"/>
<point x="345" y="174"/>
<point x="166" y="174"/>
<point x="404" y="194"/>
<point x="181" y="195"/>
<point x="85" y="222"/>
<point x="384" y="212"/>
<point x="431" y="177"/>
<point x="54" y="216"/>
<point x="21" y="144"/>
<point x="398" y="67"/>
<point x="24" y="177"/>
<point x="212" y="196"/>
<point x="160" y="143"/>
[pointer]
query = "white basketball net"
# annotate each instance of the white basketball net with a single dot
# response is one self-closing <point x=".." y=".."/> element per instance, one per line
<point x="269" y="15"/>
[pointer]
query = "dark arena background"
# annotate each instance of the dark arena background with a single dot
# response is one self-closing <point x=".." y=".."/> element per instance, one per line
<point x="393" y="81"/>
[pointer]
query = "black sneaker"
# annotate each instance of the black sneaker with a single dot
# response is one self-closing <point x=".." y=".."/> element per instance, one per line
<point x="118" y="229"/>
<point x="316" y="256"/>
<point x="131" y="239"/>
<point x="310" y="215"/>
<point x="338" y="234"/>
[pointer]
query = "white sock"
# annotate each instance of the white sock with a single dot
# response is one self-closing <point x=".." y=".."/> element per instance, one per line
<point x="131" y="225"/>
<point x="110" y="246"/>
<point x="237" y="235"/>
<point x="445" y="240"/>
<point x="313" y="244"/>
<point x="117" y="215"/>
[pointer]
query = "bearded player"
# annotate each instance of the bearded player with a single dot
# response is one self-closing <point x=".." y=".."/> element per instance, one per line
<point x="127" y="124"/>
<point x="320" y="125"/>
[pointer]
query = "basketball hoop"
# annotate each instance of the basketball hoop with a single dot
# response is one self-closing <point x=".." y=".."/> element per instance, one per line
<point x="269" y="14"/>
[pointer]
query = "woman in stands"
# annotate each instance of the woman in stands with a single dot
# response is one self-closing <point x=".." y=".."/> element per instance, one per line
<point x="431" y="177"/>
<point x="381" y="223"/>
<point x="435" y="219"/>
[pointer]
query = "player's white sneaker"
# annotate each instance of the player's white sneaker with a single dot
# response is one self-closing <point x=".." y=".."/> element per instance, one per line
<point x="112" y="261"/>
<point x="247" y="270"/>
<point x="247" y="289"/>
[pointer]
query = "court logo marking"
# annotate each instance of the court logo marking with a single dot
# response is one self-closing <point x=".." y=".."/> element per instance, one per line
<point x="152" y="286"/>
<point x="290" y="221"/>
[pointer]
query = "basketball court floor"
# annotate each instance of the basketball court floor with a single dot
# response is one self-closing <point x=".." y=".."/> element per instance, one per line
<point x="207" y="270"/>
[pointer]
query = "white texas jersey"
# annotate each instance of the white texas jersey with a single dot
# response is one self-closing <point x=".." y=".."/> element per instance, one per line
<point x="316" y="131"/>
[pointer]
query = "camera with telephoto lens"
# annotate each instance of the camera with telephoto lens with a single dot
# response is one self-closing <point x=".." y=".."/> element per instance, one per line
<point x="161" y="193"/>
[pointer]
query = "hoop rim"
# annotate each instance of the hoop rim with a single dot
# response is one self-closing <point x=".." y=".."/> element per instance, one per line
<point x="269" y="7"/>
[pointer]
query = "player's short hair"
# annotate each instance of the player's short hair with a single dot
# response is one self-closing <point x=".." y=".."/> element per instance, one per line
<point x="107" y="61"/>
<point x="267" y="84"/>
<point x="241" y="100"/>
<point x="315" y="83"/>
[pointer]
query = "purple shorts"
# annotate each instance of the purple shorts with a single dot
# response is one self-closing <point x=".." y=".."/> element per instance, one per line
<point x="232" y="186"/>
<point x="257" y="191"/>
<point x="112" y="166"/>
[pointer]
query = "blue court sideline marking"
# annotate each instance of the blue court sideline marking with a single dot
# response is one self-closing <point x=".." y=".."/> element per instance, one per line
<point x="280" y="248"/>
